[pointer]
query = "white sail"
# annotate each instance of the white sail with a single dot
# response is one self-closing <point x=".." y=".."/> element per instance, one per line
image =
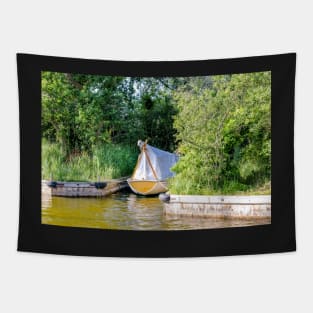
<point x="154" y="164"/>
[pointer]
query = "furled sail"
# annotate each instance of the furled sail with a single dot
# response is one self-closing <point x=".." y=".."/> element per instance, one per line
<point x="154" y="163"/>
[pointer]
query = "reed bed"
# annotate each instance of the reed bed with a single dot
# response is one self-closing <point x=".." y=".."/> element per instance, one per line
<point x="104" y="162"/>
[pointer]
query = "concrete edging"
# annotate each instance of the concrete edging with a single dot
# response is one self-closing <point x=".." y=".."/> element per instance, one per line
<point x="219" y="206"/>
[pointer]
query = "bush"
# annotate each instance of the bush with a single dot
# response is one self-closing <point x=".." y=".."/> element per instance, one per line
<point x="224" y="135"/>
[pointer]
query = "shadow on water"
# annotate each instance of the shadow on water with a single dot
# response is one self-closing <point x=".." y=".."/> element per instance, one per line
<point x="124" y="210"/>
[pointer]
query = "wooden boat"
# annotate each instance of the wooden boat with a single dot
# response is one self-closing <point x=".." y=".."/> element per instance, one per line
<point x="152" y="170"/>
<point x="147" y="187"/>
<point x="83" y="189"/>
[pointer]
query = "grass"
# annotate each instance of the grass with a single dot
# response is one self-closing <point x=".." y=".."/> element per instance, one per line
<point x="184" y="186"/>
<point x="107" y="161"/>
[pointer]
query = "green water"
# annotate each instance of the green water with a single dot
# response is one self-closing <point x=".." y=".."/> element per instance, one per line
<point x="124" y="211"/>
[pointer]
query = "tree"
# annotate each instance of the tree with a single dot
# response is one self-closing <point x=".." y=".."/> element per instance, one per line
<point x="82" y="111"/>
<point x="224" y="132"/>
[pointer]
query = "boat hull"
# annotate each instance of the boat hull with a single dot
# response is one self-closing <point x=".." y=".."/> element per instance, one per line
<point x="147" y="187"/>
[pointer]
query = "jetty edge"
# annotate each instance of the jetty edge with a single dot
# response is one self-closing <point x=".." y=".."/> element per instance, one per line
<point x="218" y="206"/>
<point x="83" y="189"/>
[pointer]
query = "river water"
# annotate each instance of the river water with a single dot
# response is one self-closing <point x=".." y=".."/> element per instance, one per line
<point x="125" y="211"/>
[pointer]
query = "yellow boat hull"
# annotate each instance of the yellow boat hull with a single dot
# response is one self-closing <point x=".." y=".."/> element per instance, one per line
<point x="147" y="187"/>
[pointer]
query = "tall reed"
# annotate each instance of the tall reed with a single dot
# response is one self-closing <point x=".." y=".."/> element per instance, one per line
<point x="104" y="162"/>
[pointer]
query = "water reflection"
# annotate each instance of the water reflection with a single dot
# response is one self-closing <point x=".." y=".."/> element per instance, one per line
<point x="124" y="211"/>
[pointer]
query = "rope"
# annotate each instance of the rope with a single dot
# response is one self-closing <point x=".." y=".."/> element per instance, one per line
<point x="154" y="174"/>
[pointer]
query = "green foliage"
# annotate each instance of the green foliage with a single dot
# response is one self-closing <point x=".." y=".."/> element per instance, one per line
<point x="224" y="134"/>
<point x="82" y="111"/>
<point x="90" y="121"/>
<point x="220" y="125"/>
<point x="103" y="162"/>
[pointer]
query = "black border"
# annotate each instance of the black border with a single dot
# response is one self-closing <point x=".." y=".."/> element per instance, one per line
<point x="279" y="236"/>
